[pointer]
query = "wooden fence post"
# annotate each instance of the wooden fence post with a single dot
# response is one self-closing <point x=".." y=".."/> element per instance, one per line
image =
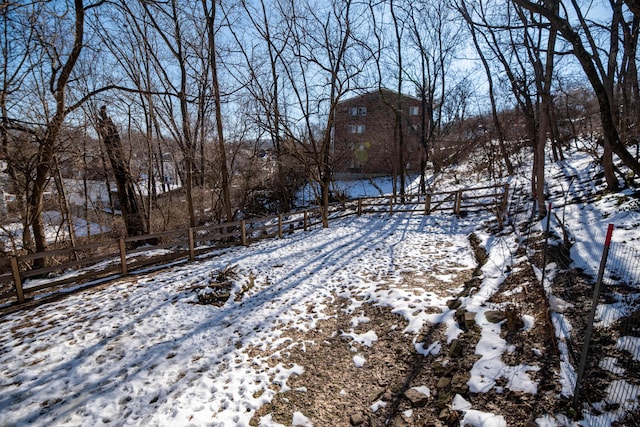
<point x="243" y="232"/>
<point x="457" y="203"/>
<point x="280" y="226"/>
<point x="16" y="279"/>
<point x="359" y="206"/>
<point x="427" y="204"/>
<point x="306" y="220"/>
<point x="123" y="256"/>
<point x="192" y="250"/>
<point x="505" y="198"/>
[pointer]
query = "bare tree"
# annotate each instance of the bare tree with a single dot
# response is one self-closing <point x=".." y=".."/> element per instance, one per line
<point x="169" y="22"/>
<point x="263" y="80"/>
<point x="517" y="45"/>
<point x="16" y="64"/>
<point x="462" y="8"/>
<point x="320" y="69"/>
<point x="60" y="73"/>
<point x="601" y="77"/>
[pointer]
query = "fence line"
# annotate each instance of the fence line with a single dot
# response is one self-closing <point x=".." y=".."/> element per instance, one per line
<point x="119" y="257"/>
<point x="609" y="389"/>
<point x="604" y="341"/>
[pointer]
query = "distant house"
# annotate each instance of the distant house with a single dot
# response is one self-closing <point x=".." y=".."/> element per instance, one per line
<point x="365" y="134"/>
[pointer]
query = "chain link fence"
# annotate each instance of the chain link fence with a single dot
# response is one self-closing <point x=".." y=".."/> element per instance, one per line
<point x="595" y="307"/>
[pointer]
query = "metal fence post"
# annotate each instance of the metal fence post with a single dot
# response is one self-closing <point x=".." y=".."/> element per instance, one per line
<point x="592" y="315"/>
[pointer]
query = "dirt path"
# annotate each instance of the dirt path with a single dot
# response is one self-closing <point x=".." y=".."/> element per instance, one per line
<point x="396" y="385"/>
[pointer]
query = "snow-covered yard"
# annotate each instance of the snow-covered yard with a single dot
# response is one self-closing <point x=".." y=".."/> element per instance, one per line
<point x="143" y="352"/>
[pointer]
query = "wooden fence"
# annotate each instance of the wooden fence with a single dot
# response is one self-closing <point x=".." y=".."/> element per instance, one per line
<point x="106" y="260"/>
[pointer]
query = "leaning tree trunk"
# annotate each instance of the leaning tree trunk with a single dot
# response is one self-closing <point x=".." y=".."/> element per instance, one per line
<point x="131" y="212"/>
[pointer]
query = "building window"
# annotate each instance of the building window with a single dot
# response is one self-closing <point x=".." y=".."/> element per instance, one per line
<point x="413" y="111"/>
<point x="356" y="128"/>
<point x="357" y="111"/>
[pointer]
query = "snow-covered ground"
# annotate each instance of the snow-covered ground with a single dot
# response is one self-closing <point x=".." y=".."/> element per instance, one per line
<point x="142" y="351"/>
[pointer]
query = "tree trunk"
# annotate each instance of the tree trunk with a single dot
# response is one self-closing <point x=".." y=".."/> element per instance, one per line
<point x="46" y="149"/>
<point x="608" y="167"/>
<point x="65" y="208"/>
<point x="492" y="98"/>
<point x="131" y="212"/>
<point x="224" y="172"/>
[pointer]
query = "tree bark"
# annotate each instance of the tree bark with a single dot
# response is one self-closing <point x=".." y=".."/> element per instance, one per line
<point x="131" y="212"/>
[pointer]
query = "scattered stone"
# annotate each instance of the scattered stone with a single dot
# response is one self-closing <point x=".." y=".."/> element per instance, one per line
<point x="459" y="383"/>
<point x="456" y="349"/>
<point x="378" y="394"/>
<point x="459" y="316"/>
<point x="469" y="319"/>
<point x="399" y="421"/>
<point x="356" y="419"/>
<point x="495" y="316"/>
<point x="454" y="304"/>
<point x="444" y="369"/>
<point x="448" y="416"/>
<point x="514" y="320"/>
<point x="417" y="398"/>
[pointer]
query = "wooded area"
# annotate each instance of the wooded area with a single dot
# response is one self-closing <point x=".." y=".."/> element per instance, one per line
<point x="223" y="111"/>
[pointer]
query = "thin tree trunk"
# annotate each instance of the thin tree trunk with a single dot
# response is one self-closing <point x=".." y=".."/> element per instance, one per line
<point x="492" y="98"/>
<point x="65" y="209"/>
<point x="226" y="190"/>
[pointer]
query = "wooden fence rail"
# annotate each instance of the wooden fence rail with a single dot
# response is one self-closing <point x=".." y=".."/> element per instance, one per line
<point x="99" y="261"/>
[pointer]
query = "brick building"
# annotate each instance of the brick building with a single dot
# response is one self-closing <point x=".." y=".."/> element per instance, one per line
<point x="365" y="135"/>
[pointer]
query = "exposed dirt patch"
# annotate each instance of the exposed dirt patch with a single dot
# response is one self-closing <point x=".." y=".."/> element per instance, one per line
<point x="385" y="389"/>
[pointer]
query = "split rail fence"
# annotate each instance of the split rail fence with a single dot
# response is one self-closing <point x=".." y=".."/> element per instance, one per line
<point x="97" y="262"/>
